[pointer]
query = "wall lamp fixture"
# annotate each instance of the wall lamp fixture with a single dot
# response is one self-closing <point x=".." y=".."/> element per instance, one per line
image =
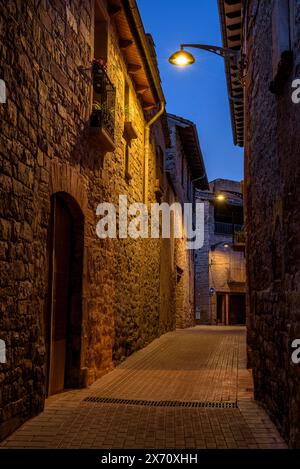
<point x="224" y="245"/>
<point x="183" y="58"/>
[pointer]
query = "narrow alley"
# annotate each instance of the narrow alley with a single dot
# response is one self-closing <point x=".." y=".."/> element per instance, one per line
<point x="187" y="389"/>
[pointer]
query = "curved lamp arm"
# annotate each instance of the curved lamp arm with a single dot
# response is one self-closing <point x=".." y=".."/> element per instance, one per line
<point x="220" y="51"/>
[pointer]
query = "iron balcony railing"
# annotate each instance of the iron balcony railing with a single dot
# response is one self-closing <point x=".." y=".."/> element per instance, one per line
<point x="227" y="228"/>
<point x="240" y="237"/>
<point x="236" y="275"/>
<point x="103" y="114"/>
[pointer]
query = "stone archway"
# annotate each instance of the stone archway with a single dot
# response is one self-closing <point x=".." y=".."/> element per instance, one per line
<point x="64" y="312"/>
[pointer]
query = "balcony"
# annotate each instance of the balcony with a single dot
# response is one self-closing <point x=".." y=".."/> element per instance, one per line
<point x="130" y="132"/>
<point x="236" y="231"/>
<point x="239" y="240"/>
<point x="240" y="237"/>
<point x="236" y="276"/>
<point x="102" y="121"/>
<point x="227" y="228"/>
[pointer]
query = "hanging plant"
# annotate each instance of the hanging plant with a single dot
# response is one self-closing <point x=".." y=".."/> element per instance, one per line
<point x="100" y="62"/>
<point x="97" y="106"/>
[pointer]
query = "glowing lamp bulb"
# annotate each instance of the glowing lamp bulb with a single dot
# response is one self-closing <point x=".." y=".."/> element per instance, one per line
<point x="182" y="58"/>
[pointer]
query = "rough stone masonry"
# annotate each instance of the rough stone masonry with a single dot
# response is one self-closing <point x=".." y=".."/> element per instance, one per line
<point x="272" y="193"/>
<point x="120" y="293"/>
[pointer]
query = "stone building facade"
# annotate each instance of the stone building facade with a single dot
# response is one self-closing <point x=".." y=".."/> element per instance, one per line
<point x="269" y="38"/>
<point x="220" y="270"/>
<point x="84" y="122"/>
<point x="186" y="172"/>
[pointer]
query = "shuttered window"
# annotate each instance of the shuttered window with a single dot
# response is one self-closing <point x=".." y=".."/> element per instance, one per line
<point x="283" y="20"/>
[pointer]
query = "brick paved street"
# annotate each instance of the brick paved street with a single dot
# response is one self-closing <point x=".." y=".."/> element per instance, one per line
<point x="203" y="365"/>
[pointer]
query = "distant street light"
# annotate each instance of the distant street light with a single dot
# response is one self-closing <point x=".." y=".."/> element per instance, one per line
<point x="220" y="197"/>
<point x="182" y="58"/>
<point x="224" y="245"/>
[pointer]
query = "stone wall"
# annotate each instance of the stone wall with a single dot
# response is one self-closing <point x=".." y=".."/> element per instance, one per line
<point x="45" y="149"/>
<point x="222" y="269"/>
<point x="185" y="308"/>
<point x="272" y="174"/>
<point x="219" y="185"/>
<point x="202" y="298"/>
<point x="168" y="275"/>
<point x="180" y="173"/>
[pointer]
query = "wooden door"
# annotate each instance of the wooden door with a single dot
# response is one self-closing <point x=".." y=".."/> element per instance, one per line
<point x="60" y="295"/>
<point x="220" y="309"/>
<point x="237" y="309"/>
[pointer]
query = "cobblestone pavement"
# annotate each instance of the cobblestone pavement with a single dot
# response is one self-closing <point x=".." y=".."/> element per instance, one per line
<point x="202" y="366"/>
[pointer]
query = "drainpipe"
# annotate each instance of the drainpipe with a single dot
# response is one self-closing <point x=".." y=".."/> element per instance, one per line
<point x="146" y="148"/>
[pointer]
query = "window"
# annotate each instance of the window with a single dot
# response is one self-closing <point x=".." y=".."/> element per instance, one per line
<point x="126" y="101"/>
<point x="282" y="43"/>
<point x="102" y="120"/>
<point x="130" y="132"/>
<point x="100" y="36"/>
<point x="159" y="167"/>
<point x="189" y="186"/>
<point x="292" y="20"/>
<point x="228" y="218"/>
<point x="127" y="162"/>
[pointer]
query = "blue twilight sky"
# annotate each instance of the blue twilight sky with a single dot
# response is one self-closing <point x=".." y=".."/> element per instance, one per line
<point x="199" y="92"/>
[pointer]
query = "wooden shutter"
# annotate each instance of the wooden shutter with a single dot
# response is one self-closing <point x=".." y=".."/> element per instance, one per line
<point x="281" y="41"/>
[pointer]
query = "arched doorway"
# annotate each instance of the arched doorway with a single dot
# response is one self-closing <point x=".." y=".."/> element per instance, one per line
<point x="64" y="314"/>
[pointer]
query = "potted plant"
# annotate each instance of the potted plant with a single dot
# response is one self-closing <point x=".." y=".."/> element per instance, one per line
<point x="96" y="116"/>
<point x="98" y="67"/>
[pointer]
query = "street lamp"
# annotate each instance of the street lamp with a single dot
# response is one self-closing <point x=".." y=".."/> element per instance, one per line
<point x="182" y="58"/>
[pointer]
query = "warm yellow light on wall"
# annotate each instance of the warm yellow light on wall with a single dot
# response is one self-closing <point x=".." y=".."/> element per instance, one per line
<point x="220" y="197"/>
<point x="182" y="58"/>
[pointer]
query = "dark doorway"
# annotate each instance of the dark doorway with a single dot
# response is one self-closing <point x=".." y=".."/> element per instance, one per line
<point x="60" y="294"/>
<point x="237" y="309"/>
<point x="221" y="305"/>
<point x="65" y="294"/>
<point x="179" y="297"/>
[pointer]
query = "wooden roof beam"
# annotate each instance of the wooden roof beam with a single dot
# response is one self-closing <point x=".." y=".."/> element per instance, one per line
<point x="133" y="68"/>
<point x="125" y="43"/>
<point x="141" y="89"/>
<point x="148" y="106"/>
<point x="114" y="10"/>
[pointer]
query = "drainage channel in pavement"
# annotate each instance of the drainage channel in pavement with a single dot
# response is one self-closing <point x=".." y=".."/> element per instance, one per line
<point x="146" y="403"/>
